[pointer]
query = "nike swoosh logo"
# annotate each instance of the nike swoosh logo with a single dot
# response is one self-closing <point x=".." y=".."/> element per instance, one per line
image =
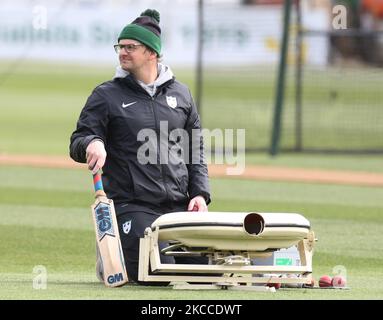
<point x="128" y="104"/>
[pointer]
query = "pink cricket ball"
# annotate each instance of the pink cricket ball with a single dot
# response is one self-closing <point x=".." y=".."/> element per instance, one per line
<point x="339" y="281"/>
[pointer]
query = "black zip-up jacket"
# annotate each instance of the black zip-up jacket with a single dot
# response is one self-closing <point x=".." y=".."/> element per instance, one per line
<point x="115" y="113"/>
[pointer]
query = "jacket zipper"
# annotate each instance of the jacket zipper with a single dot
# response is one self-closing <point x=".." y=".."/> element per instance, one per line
<point x="157" y="129"/>
<point x="159" y="146"/>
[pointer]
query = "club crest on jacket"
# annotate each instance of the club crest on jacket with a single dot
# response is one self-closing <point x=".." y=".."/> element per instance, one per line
<point x="126" y="226"/>
<point x="171" y="101"/>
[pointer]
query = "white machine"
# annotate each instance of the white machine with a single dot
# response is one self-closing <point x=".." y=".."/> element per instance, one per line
<point x="232" y="241"/>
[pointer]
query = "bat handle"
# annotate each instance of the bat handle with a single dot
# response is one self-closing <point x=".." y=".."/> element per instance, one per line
<point x="97" y="182"/>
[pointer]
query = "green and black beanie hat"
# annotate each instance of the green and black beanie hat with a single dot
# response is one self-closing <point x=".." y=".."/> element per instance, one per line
<point x="145" y="29"/>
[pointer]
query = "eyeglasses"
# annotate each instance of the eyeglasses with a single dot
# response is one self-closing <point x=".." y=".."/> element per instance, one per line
<point x="127" y="47"/>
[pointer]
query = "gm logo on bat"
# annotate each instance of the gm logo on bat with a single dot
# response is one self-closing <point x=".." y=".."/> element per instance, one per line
<point x="104" y="220"/>
<point x="115" y="278"/>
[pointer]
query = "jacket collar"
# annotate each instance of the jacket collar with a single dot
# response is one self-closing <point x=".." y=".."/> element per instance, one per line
<point x="164" y="76"/>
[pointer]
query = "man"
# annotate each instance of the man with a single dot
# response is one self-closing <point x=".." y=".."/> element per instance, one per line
<point x="112" y="134"/>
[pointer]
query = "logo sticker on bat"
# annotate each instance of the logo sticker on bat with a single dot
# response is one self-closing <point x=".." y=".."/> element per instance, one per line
<point x="118" y="277"/>
<point x="104" y="221"/>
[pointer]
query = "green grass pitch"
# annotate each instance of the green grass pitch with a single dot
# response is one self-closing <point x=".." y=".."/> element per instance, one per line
<point x="45" y="220"/>
<point x="45" y="213"/>
<point x="41" y="98"/>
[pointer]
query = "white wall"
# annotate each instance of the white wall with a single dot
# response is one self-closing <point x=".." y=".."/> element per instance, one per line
<point x="235" y="35"/>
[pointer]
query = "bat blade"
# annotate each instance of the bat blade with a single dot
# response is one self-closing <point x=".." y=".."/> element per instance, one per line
<point x="108" y="241"/>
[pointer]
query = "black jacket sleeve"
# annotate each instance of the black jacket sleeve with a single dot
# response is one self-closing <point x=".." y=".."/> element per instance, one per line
<point x="91" y="125"/>
<point x="197" y="167"/>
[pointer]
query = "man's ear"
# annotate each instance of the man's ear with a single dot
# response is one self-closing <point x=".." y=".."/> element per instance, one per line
<point x="152" y="55"/>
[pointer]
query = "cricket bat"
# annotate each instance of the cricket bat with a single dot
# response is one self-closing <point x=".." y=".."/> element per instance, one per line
<point x="108" y="237"/>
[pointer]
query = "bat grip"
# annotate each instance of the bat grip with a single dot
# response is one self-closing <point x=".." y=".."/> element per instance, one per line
<point x="97" y="182"/>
